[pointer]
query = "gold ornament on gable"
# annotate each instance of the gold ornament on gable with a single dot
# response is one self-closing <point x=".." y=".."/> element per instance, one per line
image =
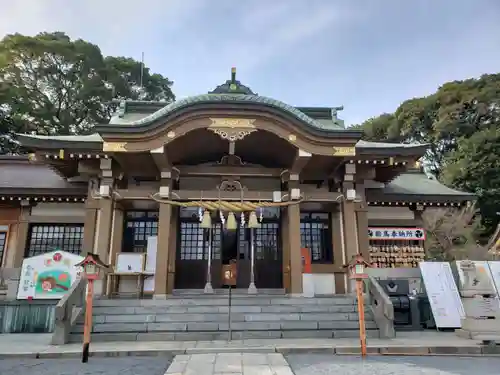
<point x="344" y="151"/>
<point x="232" y="129"/>
<point x="114" y="147"/>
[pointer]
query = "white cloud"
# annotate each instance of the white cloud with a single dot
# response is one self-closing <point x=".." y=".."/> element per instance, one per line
<point x="270" y="31"/>
<point x="115" y="25"/>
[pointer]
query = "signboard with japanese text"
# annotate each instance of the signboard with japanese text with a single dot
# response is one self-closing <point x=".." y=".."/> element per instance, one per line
<point x="443" y="294"/>
<point x="396" y="234"/>
<point x="48" y="276"/>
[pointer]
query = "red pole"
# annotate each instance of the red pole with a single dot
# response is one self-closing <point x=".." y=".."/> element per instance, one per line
<point x="361" y="312"/>
<point x="87" y="328"/>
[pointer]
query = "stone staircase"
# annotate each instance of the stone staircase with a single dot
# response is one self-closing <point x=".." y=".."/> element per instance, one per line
<point x="191" y="317"/>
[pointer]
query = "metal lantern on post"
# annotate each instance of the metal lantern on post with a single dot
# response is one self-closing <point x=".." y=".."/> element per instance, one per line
<point x="357" y="268"/>
<point x="92" y="267"/>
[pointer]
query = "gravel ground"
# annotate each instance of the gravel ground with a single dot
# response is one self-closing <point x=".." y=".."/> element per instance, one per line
<point x="95" y="366"/>
<point x="320" y="364"/>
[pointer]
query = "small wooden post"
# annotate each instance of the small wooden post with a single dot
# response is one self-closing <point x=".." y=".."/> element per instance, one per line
<point x="357" y="270"/>
<point x="87" y="328"/>
<point x="91" y="266"/>
<point x="361" y="313"/>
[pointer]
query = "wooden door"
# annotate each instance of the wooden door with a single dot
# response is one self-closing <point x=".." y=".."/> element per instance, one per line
<point x="268" y="256"/>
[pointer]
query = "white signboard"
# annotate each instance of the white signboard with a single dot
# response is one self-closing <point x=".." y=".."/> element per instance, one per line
<point x="48" y="276"/>
<point x="396" y="234"/>
<point x="149" y="281"/>
<point x="442" y="291"/>
<point x="129" y="263"/>
<point x="494" y="267"/>
<point x="151" y="254"/>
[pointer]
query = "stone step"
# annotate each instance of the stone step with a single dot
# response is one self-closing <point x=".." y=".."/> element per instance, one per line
<point x="223" y="326"/>
<point x="207" y="309"/>
<point x="223" y="317"/>
<point x="223" y="335"/>
<point x="225" y="291"/>
<point x="236" y="301"/>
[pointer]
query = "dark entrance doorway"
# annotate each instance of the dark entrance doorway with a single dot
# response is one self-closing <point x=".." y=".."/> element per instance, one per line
<point x="229" y="246"/>
<point x="234" y="246"/>
<point x="193" y="249"/>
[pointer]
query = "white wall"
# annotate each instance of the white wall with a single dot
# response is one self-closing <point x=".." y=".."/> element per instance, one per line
<point x="390" y="213"/>
<point x="318" y="284"/>
<point x="59" y="209"/>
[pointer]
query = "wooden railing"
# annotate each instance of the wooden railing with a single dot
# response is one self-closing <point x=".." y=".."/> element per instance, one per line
<point x="68" y="310"/>
<point x="382" y="308"/>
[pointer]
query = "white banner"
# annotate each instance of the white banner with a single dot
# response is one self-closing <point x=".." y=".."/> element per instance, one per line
<point x="397" y="234"/>
<point x="442" y="291"/>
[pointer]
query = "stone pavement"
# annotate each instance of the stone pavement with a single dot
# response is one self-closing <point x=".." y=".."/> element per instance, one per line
<point x="322" y="364"/>
<point x="230" y="363"/>
<point x="96" y="366"/>
<point x="411" y="343"/>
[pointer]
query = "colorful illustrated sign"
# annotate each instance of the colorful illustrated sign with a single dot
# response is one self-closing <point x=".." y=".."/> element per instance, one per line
<point x="48" y="276"/>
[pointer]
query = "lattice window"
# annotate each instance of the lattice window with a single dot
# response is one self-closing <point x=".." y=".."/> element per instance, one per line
<point x="216" y="241"/>
<point x="139" y="225"/>
<point x="44" y="238"/>
<point x="267" y="241"/>
<point x="192" y="244"/>
<point x="3" y="244"/>
<point x="315" y="235"/>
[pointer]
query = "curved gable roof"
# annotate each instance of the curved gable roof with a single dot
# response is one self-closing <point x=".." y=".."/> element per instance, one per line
<point x="149" y="121"/>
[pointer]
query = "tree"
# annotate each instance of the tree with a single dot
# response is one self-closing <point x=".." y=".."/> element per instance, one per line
<point x="475" y="166"/>
<point x="459" y="122"/>
<point x="55" y="85"/>
<point x="450" y="234"/>
<point x="131" y="80"/>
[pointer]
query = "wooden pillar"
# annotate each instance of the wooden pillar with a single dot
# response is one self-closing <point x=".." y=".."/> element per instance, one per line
<point x="293" y="220"/>
<point x="90" y="225"/>
<point x="338" y="251"/>
<point x="350" y="232"/>
<point x="116" y="241"/>
<point x="162" y="255"/>
<point x="362" y="229"/>
<point x="22" y="236"/>
<point x="102" y="243"/>
<point x="172" y="249"/>
<point x="103" y="240"/>
<point x="285" y="245"/>
<point x="362" y="222"/>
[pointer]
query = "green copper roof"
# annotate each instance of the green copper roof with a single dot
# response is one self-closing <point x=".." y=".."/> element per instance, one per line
<point x="417" y="185"/>
<point x="217" y="98"/>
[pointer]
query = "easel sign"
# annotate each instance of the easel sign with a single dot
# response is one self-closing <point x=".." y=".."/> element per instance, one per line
<point x="130" y="263"/>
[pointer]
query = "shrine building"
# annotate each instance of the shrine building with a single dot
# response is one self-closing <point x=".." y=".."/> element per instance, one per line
<point x="219" y="177"/>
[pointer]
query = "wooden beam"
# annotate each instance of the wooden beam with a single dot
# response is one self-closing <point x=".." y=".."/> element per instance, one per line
<point x="213" y="195"/>
<point x="223" y="170"/>
<point x="160" y="158"/>
<point x="301" y="159"/>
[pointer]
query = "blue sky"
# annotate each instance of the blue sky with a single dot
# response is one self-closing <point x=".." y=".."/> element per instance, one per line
<point x="368" y="55"/>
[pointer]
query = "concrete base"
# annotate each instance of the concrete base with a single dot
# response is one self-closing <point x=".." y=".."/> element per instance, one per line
<point x="160" y="296"/>
<point x="307" y="285"/>
<point x="38" y="346"/>
<point x="208" y="289"/>
<point x="479" y="329"/>
<point x="252" y="289"/>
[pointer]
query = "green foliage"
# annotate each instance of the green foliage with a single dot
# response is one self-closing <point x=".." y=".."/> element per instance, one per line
<point x="461" y="124"/>
<point x="51" y="84"/>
